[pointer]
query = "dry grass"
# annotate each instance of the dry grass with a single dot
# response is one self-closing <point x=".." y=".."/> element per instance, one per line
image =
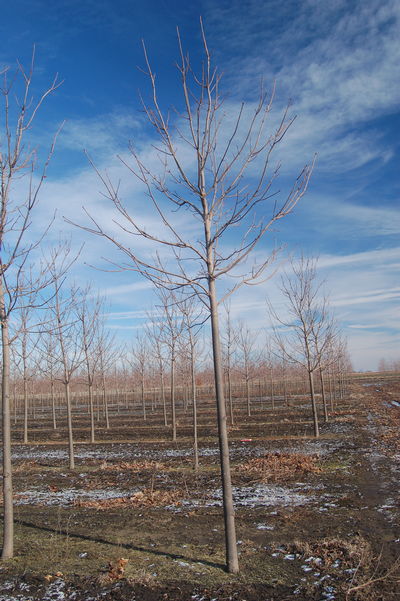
<point x="136" y="466"/>
<point x="353" y="569"/>
<point x="25" y="466"/>
<point x="330" y="550"/>
<point x="279" y="466"/>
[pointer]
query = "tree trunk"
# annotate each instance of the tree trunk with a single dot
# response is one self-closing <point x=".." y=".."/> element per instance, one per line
<point x="91" y="409"/>
<point x="143" y="400"/>
<point x="8" y="521"/>
<point x="285" y="393"/>
<point x="163" y="397"/>
<point x="321" y="377"/>
<point x="69" y="421"/>
<point x="331" y="399"/>
<point x="195" y="442"/>
<point x="272" y="392"/>
<point x="229" y="514"/>
<point x="248" y="394"/>
<point x="230" y="396"/>
<point x="53" y="405"/>
<point x="25" y="411"/>
<point x="313" y="403"/>
<point x="173" y="410"/>
<point x="105" y="403"/>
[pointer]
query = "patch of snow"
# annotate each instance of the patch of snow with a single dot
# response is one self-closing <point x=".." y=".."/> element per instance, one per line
<point x="264" y="527"/>
<point x="251" y="496"/>
<point x="67" y="496"/>
<point x="55" y="591"/>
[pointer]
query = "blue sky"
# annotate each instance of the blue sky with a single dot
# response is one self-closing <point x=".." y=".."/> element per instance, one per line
<point x="337" y="61"/>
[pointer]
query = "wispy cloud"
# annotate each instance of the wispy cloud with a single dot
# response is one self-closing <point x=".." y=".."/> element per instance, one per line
<point x="379" y="258"/>
<point x="100" y="134"/>
<point x="336" y="60"/>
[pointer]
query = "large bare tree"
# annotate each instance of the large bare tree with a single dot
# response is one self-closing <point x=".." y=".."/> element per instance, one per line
<point x="22" y="175"/>
<point x="214" y="176"/>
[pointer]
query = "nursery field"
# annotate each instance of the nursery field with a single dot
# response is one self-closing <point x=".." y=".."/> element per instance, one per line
<point x="317" y="519"/>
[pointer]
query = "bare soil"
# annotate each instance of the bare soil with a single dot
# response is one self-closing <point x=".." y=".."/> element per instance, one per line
<point x="317" y="519"/>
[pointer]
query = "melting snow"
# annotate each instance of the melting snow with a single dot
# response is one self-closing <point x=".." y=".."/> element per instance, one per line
<point x="67" y="496"/>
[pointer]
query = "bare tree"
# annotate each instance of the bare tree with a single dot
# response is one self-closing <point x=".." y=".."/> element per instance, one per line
<point x="69" y="350"/>
<point x="154" y="332"/>
<point x="18" y="163"/>
<point x="23" y="351"/>
<point x="88" y="317"/>
<point x="193" y="320"/>
<point x="171" y="332"/>
<point x="108" y="354"/>
<point x="311" y="329"/>
<point x="246" y="345"/>
<point x="140" y="361"/>
<point x="215" y="172"/>
<point x="229" y="342"/>
<point x="49" y="366"/>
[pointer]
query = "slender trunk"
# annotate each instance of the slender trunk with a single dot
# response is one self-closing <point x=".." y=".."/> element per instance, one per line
<point x="313" y="403"/>
<point x="8" y="520"/>
<point x="285" y="393"/>
<point x="195" y="443"/>
<point x="229" y="513"/>
<point x="69" y="421"/>
<point x="330" y="391"/>
<point x="25" y="411"/>
<point x="230" y="397"/>
<point x="173" y="409"/>
<point x="341" y="386"/>
<point x="164" y="404"/>
<point x="272" y="391"/>
<point x="321" y="377"/>
<point x="105" y="403"/>
<point x="143" y="399"/>
<point x="15" y="403"/>
<point x="53" y="404"/>
<point x="91" y="410"/>
<point x="248" y="391"/>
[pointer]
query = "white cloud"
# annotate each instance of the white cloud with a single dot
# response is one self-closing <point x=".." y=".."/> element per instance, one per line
<point x="379" y="258"/>
<point x="336" y="60"/>
<point x="99" y="134"/>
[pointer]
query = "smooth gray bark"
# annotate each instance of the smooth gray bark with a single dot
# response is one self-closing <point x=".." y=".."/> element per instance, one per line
<point x="8" y="520"/>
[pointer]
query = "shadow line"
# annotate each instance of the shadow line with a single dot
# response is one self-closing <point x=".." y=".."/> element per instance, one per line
<point x="129" y="546"/>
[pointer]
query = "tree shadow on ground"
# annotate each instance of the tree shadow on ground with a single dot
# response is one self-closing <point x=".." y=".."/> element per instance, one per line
<point x="128" y="546"/>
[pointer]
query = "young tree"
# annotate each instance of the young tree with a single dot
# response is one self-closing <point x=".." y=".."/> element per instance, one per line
<point x="69" y="350"/>
<point x="140" y="363"/>
<point x="229" y="342"/>
<point x="48" y="366"/>
<point x="311" y="328"/>
<point x="18" y="164"/>
<point x="172" y="329"/>
<point x="154" y="332"/>
<point x="108" y="355"/>
<point x="246" y="345"/>
<point x="23" y="350"/>
<point x="215" y="171"/>
<point x="193" y="319"/>
<point x="89" y="320"/>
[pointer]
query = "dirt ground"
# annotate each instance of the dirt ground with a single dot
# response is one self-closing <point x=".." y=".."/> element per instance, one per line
<point x="317" y="519"/>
